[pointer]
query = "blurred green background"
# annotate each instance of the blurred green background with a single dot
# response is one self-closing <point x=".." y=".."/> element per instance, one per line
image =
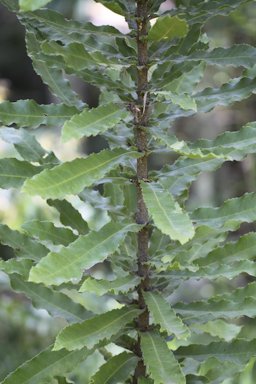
<point x="24" y="330"/>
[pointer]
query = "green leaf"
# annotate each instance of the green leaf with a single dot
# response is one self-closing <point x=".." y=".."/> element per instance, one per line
<point x="178" y="176"/>
<point x="101" y="287"/>
<point x="27" y="113"/>
<point x="238" y="55"/>
<point x="69" y="216"/>
<point x="17" y="266"/>
<point x="45" y="366"/>
<point x="166" y="213"/>
<point x="168" y="27"/>
<point x="13" y="172"/>
<point x="184" y="101"/>
<point x="116" y="370"/>
<point x="77" y="57"/>
<point x="202" y="311"/>
<point x="56" y="303"/>
<point x="228" y="145"/>
<point x="72" y="177"/>
<point x="25" y="143"/>
<point x="165" y="316"/>
<point x="238" y="352"/>
<point x="219" y="328"/>
<point x="100" y="328"/>
<point x="32" y="5"/>
<point x="236" y="90"/>
<point x="230" y="215"/>
<point x="82" y="254"/>
<point x="53" y="77"/>
<point x="160" y="361"/>
<point x="22" y="245"/>
<point x="45" y="230"/>
<point x="243" y="249"/>
<point x="94" y="121"/>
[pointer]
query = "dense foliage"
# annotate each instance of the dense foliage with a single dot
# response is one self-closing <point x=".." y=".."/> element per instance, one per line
<point x="153" y="246"/>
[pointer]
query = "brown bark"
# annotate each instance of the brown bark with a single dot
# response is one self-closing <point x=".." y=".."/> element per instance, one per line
<point x="141" y="116"/>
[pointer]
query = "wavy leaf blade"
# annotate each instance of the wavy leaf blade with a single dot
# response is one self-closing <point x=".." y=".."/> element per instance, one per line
<point x="160" y="361"/>
<point x="101" y="287"/>
<point x="69" y="216"/>
<point x="238" y="352"/>
<point x="53" y="77"/>
<point x="56" y="303"/>
<point x="82" y="254"/>
<point x="97" y="329"/>
<point x="45" y="230"/>
<point x="25" y="143"/>
<point x="27" y="113"/>
<point x="116" y="370"/>
<point x="166" y="213"/>
<point x="72" y="177"/>
<point x="93" y="122"/>
<point x="13" y="172"/>
<point x="46" y="365"/>
<point x="230" y="215"/>
<point x="165" y="316"/>
<point x="168" y="27"/>
<point x="23" y="246"/>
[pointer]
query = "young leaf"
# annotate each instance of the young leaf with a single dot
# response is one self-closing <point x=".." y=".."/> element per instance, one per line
<point x="166" y="213"/>
<point x="94" y="121"/>
<point x="56" y="303"/>
<point x="160" y="361"/>
<point x="100" y="328"/>
<point x="82" y="254"/>
<point x="45" y="230"/>
<point x="165" y="316"/>
<point x="168" y="27"/>
<point x="46" y="365"/>
<point x="116" y="370"/>
<point x="72" y="177"/>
